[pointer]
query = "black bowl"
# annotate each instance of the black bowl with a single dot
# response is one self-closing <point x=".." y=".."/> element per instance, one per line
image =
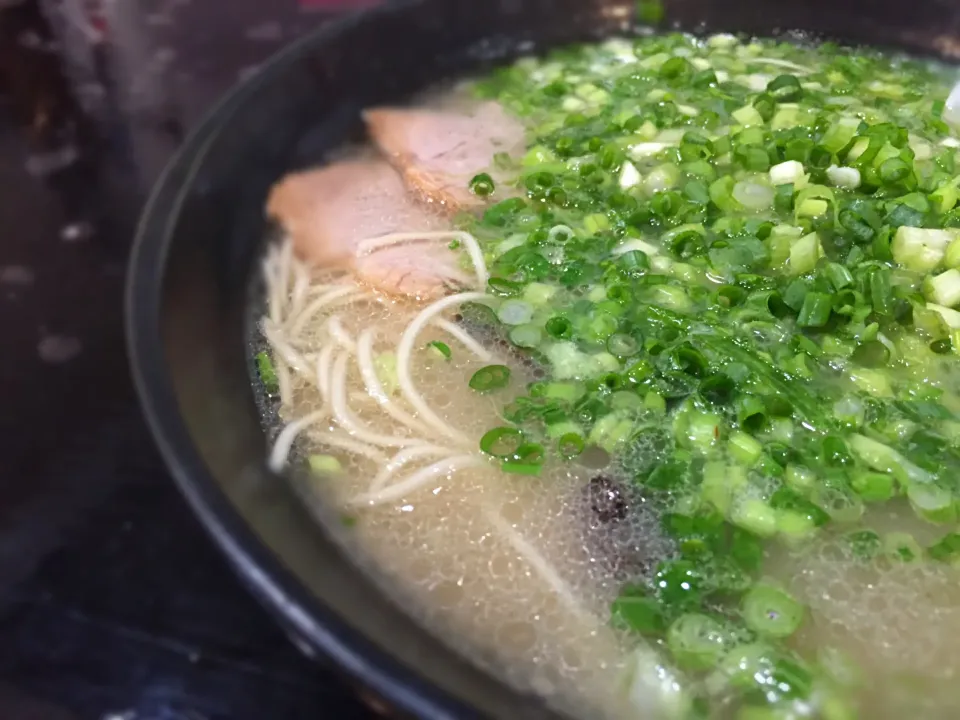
<point x="196" y="253"/>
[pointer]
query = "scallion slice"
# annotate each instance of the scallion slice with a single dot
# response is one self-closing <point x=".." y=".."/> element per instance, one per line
<point x="482" y="185"/>
<point x="559" y="327"/>
<point x="501" y="442"/>
<point x="570" y="445"/>
<point x="697" y="641"/>
<point x="441" y="348"/>
<point x="268" y="376"/>
<point x="771" y="611"/>
<point x="491" y="377"/>
<point x="521" y="468"/>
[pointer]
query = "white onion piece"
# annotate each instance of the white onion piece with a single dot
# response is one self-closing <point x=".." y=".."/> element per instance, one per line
<point x="643" y="150"/>
<point x="671" y="136"/>
<point x="629" y="176"/>
<point x="753" y="195"/>
<point x="845" y="177"/>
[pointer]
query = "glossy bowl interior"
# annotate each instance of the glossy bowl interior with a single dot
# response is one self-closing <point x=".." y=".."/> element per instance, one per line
<point x="203" y="231"/>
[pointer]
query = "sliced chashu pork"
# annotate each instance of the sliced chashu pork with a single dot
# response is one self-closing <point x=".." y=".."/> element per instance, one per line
<point x="420" y="270"/>
<point x="328" y="212"/>
<point x="439" y="152"/>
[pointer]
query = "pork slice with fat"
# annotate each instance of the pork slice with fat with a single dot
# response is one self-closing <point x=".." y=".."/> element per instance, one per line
<point x="439" y="152"/>
<point x="425" y="271"/>
<point x="328" y="212"/>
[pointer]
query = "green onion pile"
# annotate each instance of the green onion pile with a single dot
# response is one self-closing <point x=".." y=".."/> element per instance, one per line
<point x="739" y="265"/>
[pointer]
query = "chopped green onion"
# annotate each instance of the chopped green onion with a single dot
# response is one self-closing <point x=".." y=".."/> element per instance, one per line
<point x="785" y="88"/>
<point x="952" y="257"/>
<point x="268" y="376"/>
<point x="515" y="312"/>
<point x="503" y="287"/>
<point x="521" y="468"/>
<point x="920" y="249"/>
<point x="736" y="269"/>
<point x="932" y="502"/>
<point x="838" y="275"/>
<point x="804" y="254"/>
<point x="881" y="457"/>
<point x="482" y="185"/>
<point x="698" y="642"/>
<point x="902" y="547"/>
<point x="881" y="291"/>
<point x="816" y="310"/>
<point x="568" y="391"/>
<point x="637" y="612"/>
<point x="491" y="377"/>
<point x="441" y="348"/>
<point x="745" y="448"/>
<point x="385" y="365"/>
<point x="675" y="67"/>
<point x="943" y="289"/>
<point x="751" y="412"/>
<point x="950" y="318"/>
<point x="839" y="134"/>
<point x="872" y="486"/>
<point x="529" y="452"/>
<point x="794" y="527"/>
<point x="844" y="177"/>
<point x="770" y="611"/>
<point x="501" y="442"/>
<point x="525" y="336"/>
<point x="324" y="465"/>
<point x="754" y="515"/>
<point x="634" y="260"/>
<point x="752" y="158"/>
<point x="747" y="116"/>
<point x="865" y="544"/>
<point x="753" y="195"/>
<point x="893" y="171"/>
<point x="621" y="345"/>
<point x="789" y="172"/>
<point x="945" y="549"/>
<point x="570" y="445"/>
<point x="559" y="327"/>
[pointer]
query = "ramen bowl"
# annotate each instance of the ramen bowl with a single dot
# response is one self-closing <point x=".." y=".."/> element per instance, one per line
<point x="196" y="259"/>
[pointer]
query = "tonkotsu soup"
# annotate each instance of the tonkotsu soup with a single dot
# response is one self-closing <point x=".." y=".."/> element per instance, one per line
<point x="632" y="371"/>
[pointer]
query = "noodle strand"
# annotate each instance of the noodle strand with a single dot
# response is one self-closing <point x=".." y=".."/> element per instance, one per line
<point x="281" y="447"/>
<point x="300" y="321"/>
<point x="346" y="420"/>
<point x="419" y="479"/>
<point x="404" y="350"/>
<point x="349" y="444"/>
<point x="374" y="387"/>
<point x="401" y="459"/>
<point x="465" y="338"/>
<point x="365" y="247"/>
<point x="338" y="333"/>
<point x="533" y="557"/>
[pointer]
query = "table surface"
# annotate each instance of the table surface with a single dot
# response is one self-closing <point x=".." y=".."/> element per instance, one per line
<point x="113" y="602"/>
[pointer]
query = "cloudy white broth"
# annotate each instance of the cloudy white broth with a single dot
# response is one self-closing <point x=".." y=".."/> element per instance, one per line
<point x="632" y="371"/>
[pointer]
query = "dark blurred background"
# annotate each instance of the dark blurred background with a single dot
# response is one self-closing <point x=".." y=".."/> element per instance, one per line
<point x="113" y="603"/>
